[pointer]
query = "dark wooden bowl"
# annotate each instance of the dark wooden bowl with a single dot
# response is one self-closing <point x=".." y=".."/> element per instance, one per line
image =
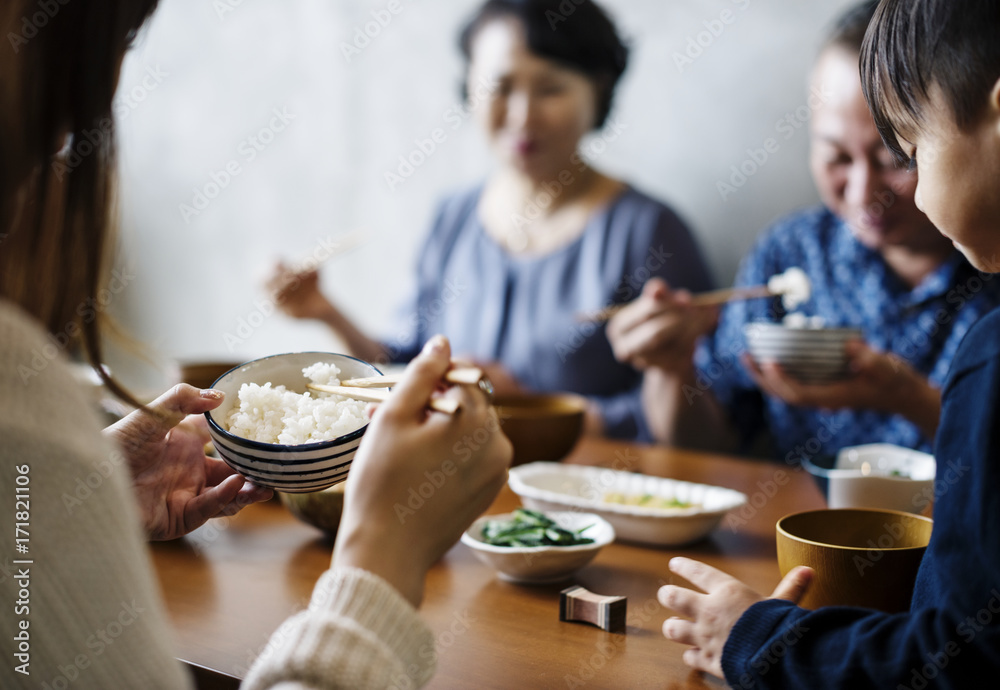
<point x="541" y="426"/>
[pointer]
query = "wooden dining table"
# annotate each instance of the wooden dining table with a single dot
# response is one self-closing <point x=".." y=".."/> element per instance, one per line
<point x="230" y="584"/>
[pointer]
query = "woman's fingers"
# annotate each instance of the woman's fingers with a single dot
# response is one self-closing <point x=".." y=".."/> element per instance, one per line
<point x="173" y="407"/>
<point x="409" y="398"/>
<point x="151" y="425"/>
<point x="210" y="503"/>
<point x="217" y="471"/>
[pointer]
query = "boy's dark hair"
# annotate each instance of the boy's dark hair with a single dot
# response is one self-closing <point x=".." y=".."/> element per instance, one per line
<point x="913" y="45"/>
<point x="578" y="35"/>
<point x="849" y="30"/>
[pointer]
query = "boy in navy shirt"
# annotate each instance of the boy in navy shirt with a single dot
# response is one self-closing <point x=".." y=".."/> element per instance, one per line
<point x="931" y="74"/>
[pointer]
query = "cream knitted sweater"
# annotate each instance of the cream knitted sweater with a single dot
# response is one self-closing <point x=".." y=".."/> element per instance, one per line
<point x="80" y="602"/>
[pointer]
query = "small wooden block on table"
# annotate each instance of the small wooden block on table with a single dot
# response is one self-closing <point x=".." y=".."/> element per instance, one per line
<point x="579" y="604"/>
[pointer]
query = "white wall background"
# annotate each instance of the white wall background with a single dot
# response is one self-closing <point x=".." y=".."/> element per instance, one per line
<point x="207" y="76"/>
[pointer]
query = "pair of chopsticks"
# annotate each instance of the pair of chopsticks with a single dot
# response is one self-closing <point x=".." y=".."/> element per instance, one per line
<point x="705" y="299"/>
<point x="369" y="389"/>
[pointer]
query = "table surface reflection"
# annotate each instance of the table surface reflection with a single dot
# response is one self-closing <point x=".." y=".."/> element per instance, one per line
<point x="230" y="584"/>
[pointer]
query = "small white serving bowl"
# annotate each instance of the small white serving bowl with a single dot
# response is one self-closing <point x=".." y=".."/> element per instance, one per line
<point x="541" y="564"/>
<point x="863" y="477"/>
<point x="555" y="486"/>
<point x="812" y="355"/>
<point x="292" y="469"/>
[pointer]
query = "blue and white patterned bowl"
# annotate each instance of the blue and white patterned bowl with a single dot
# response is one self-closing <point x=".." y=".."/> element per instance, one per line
<point x="292" y="469"/>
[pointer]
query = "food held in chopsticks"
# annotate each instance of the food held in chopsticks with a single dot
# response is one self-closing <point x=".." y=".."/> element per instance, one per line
<point x="793" y="285"/>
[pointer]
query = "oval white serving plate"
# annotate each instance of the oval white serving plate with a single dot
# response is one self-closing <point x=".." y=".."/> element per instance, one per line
<point x="554" y="486"/>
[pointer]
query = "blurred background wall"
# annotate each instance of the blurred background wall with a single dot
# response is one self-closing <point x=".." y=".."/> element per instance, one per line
<point x="257" y="129"/>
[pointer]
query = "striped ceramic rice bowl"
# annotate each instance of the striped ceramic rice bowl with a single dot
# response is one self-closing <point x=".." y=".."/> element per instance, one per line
<point x="297" y="464"/>
<point x="811" y="355"/>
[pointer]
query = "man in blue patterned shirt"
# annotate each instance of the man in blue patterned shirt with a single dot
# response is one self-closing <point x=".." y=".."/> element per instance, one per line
<point x="875" y="262"/>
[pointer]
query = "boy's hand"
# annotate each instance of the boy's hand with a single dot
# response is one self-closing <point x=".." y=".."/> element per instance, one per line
<point x="714" y="614"/>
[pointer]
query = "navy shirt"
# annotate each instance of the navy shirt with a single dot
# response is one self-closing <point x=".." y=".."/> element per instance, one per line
<point x="851" y="286"/>
<point x="522" y="311"/>
<point x="951" y="636"/>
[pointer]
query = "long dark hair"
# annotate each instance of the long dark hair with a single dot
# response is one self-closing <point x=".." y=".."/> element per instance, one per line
<point x="58" y="73"/>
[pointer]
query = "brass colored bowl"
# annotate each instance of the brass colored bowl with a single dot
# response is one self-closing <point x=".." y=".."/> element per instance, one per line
<point x="321" y="509"/>
<point x="204" y="374"/>
<point x="861" y="557"/>
<point x="541" y="426"/>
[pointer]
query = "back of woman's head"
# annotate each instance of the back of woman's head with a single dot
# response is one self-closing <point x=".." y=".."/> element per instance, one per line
<point x="58" y="74"/>
<point x="576" y="34"/>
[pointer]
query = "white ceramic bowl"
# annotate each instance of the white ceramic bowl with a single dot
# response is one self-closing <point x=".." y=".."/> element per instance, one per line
<point x="554" y="486"/>
<point x="541" y="564"/>
<point x="812" y="355"/>
<point x="879" y="475"/>
<point x="292" y="469"/>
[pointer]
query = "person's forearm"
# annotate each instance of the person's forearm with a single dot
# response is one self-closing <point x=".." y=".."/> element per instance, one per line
<point x="358" y="548"/>
<point x="922" y="406"/>
<point x="358" y="344"/>
<point x="681" y="414"/>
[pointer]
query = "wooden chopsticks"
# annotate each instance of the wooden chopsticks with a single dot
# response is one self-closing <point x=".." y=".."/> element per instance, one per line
<point x="370" y="389"/>
<point x="705" y="299"/>
<point x="446" y="405"/>
<point x="709" y="299"/>
<point x="469" y="376"/>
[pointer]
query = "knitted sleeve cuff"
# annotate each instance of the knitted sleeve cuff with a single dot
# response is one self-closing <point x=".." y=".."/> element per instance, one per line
<point x="358" y="632"/>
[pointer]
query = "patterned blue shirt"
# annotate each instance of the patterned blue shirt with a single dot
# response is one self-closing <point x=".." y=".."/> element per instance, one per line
<point x="851" y="286"/>
<point x="522" y="311"/>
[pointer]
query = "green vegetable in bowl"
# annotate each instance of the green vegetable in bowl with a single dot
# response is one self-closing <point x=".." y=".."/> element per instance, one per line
<point x="531" y="528"/>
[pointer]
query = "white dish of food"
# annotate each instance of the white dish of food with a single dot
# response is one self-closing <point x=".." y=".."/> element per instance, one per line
<point x="663" y="512"/>
<point x="540" y="564"/>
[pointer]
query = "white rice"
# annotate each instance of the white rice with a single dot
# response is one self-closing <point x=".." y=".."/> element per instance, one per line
<point x="277" y="415"/>
<point x="793" y="285"/>
<point x="799" y="320"/>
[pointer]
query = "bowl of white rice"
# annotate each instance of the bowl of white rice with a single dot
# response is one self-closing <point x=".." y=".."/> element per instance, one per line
<point x="275" y="432"/>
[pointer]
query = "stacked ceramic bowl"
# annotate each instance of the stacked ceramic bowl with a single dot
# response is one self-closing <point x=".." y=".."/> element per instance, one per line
<point x="811" y="355"/>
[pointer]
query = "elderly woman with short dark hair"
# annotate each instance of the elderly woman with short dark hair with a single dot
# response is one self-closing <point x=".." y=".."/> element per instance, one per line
<point x="511" y="262"/>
